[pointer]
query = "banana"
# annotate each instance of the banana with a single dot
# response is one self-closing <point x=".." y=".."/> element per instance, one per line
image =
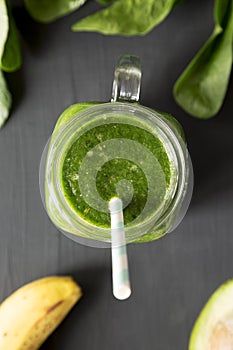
<point x="30" y="314"/>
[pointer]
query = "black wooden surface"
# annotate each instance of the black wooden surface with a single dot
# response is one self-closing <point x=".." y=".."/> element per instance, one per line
<point x="171" y="278"/>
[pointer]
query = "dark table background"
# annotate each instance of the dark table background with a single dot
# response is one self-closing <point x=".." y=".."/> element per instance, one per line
<point x="171" y="278"/>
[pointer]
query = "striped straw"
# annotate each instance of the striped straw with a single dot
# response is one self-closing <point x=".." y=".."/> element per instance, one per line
<point x="120" y="272"/>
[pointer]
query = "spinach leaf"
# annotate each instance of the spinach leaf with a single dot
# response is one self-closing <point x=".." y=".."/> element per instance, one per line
<point x="105" y="2"/>
<point x="127" y="17"/>
<point x="11" y="58"/>
<point x="5" y="100"/>
<point x="4" y="26"/>
<point x="201" y="88"/>
<point x="49" y="10"/>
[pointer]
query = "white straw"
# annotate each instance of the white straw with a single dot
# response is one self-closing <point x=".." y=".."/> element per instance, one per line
<point x="120" y="272"/>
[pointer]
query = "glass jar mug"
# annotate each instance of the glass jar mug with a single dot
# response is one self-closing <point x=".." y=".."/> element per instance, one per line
<point x="119" y="148"/>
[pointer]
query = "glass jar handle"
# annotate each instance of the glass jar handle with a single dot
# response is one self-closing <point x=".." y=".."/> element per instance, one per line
<point x="127" y="79"/>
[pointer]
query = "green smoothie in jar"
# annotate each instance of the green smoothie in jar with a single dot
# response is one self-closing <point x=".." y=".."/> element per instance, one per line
<point x="102" y="150"/>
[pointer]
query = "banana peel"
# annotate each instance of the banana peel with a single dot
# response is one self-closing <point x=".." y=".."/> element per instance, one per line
<point x="31" y="313"/>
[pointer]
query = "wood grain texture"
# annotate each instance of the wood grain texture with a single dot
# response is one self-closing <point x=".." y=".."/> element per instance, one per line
<point x="172" y="278"/>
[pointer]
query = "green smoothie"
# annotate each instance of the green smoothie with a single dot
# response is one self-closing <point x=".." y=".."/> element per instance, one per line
<point x="113" y="171"/>
<point x="106" y="156"/>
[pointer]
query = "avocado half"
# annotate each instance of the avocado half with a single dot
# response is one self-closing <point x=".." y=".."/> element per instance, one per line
<point x="213" y="330"/>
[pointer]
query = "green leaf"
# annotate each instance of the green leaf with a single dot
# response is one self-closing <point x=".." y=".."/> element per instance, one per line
<point x="11" y="58"/>
<point x="201" y="88"/>
<point x="5" y="100"/>
<point x="105" y="2"/>
<point x="127" y="17"/>
<point x="49" y="10"/>
<point x="220" y="12"/>
<point x="4" y="25"/>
